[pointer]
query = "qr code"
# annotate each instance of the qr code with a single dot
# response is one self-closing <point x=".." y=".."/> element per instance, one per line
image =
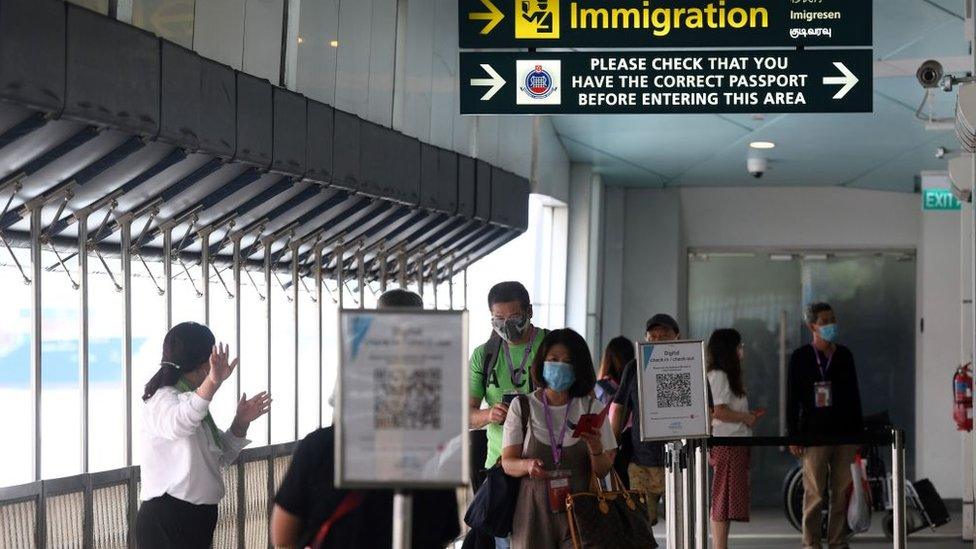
<point x="407" y="400"/>
<point x="673" y="390"/>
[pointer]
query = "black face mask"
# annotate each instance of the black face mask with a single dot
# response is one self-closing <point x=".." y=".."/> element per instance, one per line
<point x="510" y="329"/>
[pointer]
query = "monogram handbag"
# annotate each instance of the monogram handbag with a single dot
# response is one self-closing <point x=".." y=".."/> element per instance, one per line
<point x="605" y="519"/>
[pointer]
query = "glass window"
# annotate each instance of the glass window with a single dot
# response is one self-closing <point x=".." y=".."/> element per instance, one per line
<point x="318" y="45"/>
<point x="282" y="361"/>
<point x="224" y="326"/>
<point x="169" y="19"/>
<point x="106" y="395"/>
<point x="308" y="359"/>
<point x="148" y="331"/>
<point x="60" y="390"/>
<point x="330" y="347"/>
<point x="254" y="361"/>
<point x="15" y="370"/>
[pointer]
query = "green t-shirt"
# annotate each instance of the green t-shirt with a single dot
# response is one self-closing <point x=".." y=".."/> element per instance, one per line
<point x="499" y="384"/>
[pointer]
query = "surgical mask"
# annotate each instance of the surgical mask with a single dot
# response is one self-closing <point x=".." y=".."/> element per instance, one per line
<point x="559" y="376"/>
<point x="510" y="329"/>
<point x="828" y="332"/>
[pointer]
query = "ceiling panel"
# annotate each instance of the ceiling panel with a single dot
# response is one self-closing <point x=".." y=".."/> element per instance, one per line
<point x="882" y="150"/>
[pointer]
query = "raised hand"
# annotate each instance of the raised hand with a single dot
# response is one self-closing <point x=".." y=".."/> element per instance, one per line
<point x="250" y="409"/>
<point x="220" y="367"/>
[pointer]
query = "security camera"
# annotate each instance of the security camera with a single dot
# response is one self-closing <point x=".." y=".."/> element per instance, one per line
<point x="756" y="166"/>
<point x="941" y="152"/>
<point x="929" y="74"/>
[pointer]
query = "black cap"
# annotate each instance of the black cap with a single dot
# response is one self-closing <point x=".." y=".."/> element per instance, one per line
<point x="662" y="319"/>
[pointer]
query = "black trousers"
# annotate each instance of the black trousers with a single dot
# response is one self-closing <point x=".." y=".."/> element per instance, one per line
<point x="166" y="522"/>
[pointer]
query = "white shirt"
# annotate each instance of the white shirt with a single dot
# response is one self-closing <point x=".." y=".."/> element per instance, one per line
<point x="722" y="394"/>
<point x="512" y="435"/>
<point x="179" y="455"/>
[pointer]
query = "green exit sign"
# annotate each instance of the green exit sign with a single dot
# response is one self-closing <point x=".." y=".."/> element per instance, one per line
<point x="939" y="199"/>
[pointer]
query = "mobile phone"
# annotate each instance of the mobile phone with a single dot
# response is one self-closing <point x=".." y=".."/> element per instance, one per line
<point x="588" y="422"/>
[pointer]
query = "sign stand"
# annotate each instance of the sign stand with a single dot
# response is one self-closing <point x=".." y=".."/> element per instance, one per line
<point x="402" y="520"/>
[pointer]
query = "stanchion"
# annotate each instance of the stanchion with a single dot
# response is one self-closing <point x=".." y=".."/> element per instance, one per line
<point x="701" y="494"/>
<point x="402" y="519"/>
<point x="672" y="491"/>
<point x="898" y="488"/>
<point x="685" y="462"/>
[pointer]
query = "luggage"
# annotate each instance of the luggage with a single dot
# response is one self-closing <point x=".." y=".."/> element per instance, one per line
<point x="931" y="502"/>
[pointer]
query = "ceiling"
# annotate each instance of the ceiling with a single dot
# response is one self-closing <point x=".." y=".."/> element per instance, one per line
<point x="883" y="150"/>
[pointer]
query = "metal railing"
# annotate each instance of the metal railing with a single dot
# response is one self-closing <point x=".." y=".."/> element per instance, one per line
<point x="687" y="492"/>
<point x="99" y="509"/>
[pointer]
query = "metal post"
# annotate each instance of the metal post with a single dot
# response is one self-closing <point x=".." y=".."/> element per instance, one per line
<point x="205" y="273"/>
<point x="671" y="495"/>
<point x="267" y="318"/>
<point x="465" y="288"/>
<point x="420" y="271"/>
<point x="433" y="281"/>
<point x="450" y="284"/>
<point x="687" y="494"/>
<point x="361" y="275"/>
<point x="898" y="488"/>
<point x="237" y="309"/>
<point x="383" y="267"/>
<point x="783" y="373"/>
<point x="295" y="285"/>
<point x="319" y="298"/>
<point x="402" y="520"/>
<point x="340" y="276"/>
<point x="125" y="225"/>
<point x="83" y="334"/>
<point x="701" y="495"/>
<point x="35" y="380"/>
<point x="168" y="274"/>
<point x="402" y="268"/>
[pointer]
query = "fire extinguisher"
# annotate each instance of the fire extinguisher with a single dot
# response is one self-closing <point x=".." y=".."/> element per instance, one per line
<point x="962" y="398"/>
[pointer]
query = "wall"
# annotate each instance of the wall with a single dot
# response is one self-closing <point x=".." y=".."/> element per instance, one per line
<point x="657" y="226"/>
<point x="583" y="252"/>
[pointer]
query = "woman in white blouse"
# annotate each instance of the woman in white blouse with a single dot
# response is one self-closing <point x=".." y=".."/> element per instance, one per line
<point x="730" y="418"/>
<point x="182" y="449"/>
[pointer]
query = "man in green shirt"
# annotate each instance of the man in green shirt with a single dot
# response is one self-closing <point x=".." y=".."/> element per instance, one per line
<point x="509" y="354"/>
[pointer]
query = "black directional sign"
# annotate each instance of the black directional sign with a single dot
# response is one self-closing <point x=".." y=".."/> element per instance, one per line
<point x="695" y="82"/>
<point x="486" y="24"/>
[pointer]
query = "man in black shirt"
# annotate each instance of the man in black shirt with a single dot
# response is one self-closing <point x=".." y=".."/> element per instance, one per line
<point x="823" y="399"/>
<point x="308" y="498"/>
<point x="646" y="470"/>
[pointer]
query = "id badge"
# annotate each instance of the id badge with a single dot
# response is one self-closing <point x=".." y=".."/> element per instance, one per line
<point x="558" y="487"/>
<point x="823" y="396"/>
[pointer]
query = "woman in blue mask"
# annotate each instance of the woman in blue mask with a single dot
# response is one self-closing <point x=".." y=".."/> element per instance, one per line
<point x="553" y="463"/>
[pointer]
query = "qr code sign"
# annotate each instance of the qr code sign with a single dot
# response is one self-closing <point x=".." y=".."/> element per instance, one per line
<point x="407" y="400"/>
<point x="673" y="390"/>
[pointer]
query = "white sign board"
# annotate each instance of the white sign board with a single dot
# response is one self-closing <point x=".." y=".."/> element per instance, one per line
<point x="671" y="390"/>
<point x="402" y="399"/>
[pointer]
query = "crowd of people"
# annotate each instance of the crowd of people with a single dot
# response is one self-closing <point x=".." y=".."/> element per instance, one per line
<point x="530" y="389"/>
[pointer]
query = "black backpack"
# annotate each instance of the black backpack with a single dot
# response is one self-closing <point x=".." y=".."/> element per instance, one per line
<point x="493" y="347"/>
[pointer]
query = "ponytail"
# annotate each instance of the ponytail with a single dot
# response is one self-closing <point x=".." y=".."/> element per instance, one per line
<point x="186" y="347"/>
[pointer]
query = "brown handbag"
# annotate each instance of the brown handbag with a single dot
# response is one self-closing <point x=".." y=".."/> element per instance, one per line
<point x="609" y="519"/>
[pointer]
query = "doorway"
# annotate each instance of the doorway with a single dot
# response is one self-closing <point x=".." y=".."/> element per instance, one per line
<point x="763" y="295"/>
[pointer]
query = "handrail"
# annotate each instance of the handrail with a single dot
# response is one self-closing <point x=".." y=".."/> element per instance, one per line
<point x="86" y="484"/>
<point x="873" y="438"/>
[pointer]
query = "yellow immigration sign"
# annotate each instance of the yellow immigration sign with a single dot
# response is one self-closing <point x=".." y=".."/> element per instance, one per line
<point x="537" y="19"/>
<point x="488" y="24"/>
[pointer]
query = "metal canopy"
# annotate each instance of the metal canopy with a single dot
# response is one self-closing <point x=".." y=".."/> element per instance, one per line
<point x="120" y="127"/>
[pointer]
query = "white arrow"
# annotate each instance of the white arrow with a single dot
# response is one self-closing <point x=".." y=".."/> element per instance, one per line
<point x="495" y="82"/>
<point x="848" y="80"/>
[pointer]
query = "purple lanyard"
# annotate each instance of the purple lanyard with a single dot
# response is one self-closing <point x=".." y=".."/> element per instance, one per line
<point x="557" y="449"/>
<point x="823" y="371"/>
<point x="517" y="375"/>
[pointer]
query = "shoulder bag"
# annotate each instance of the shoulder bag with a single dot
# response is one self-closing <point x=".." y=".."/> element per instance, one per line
<point x="614" y="519"/>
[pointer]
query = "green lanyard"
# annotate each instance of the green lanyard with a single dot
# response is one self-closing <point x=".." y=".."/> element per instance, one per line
<point x="184" y="387"/>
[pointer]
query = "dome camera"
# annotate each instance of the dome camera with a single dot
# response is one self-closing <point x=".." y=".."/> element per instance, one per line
<point x="756" y="166"/>
<point x="930" y="74"/>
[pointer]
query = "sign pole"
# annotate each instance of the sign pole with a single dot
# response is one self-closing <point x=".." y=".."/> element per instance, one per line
<point x="402" y="519"/>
